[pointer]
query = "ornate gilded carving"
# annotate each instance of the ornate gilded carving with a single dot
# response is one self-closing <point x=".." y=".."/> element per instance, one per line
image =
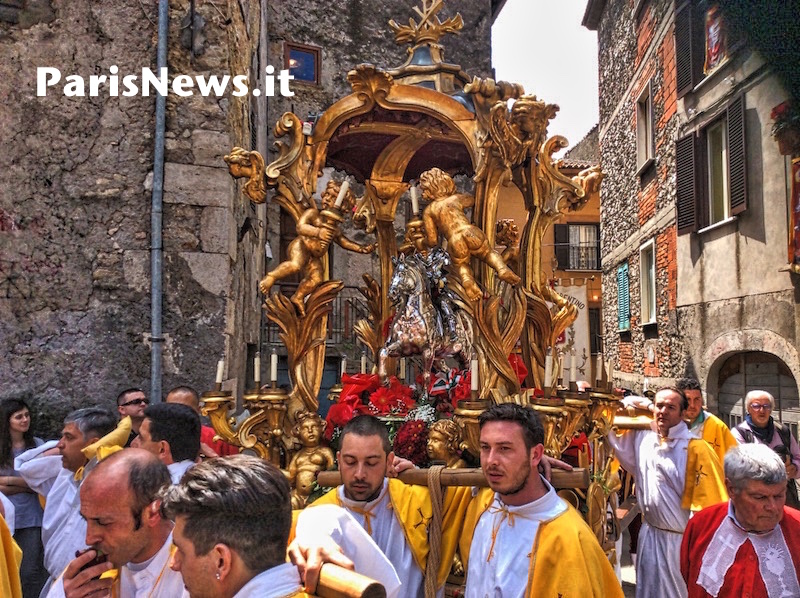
<point x="430" y="28"/>
<point x="242" y="163"/>
<point x="310" y="459"/>
<point x="370" y="331"/>
<point x="316" y="230"/>
<point x="444" y="442"/>
<point x="445" y="215"/>
<point x="304" y="338"/>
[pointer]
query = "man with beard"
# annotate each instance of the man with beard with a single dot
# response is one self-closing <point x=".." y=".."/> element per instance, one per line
<point x="676" y="474"/>
<point x="520" y="538"/>
<point x="396" y="515"/>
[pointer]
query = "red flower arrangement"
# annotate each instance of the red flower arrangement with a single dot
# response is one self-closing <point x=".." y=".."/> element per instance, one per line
<point x="411" y="442"/>
<point x="396" y="399"/>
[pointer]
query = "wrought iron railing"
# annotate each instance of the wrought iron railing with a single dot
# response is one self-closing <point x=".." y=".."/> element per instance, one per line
<point x="348" y="308"/>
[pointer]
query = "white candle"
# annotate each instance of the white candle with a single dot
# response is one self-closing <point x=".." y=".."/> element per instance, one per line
<point x="548" y="370"/>
<point x="573" y="368"/>
<point x="273" y="367"/>
<point x="342" y="190"/>
<point x="598" y="374"/>
<point x="609" y="370"/>
<point x="220" y="370"/>
<point x="403" y="369"/>
<point x="257" y="369"/>
<point x="414" y="200"/>
<point x="363" y="363"/>
<point x="646" y="385"/>
<point x="344" y="366"/>
<point x="474" y="375"/>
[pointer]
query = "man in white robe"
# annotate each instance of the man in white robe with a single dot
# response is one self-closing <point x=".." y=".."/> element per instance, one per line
<point x="675" y="474"/>
<point x="50" y="470"/>
<point x="520" y="538"/>
<point x="121" y="507"/>
<point x="171" y="432"/>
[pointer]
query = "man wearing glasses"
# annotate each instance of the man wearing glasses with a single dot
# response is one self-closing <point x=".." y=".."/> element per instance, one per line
<point x="759" y="427"/>
<point x="132" y="402"/>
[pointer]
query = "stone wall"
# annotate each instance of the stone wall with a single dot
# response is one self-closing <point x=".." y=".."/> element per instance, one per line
<point x="77" y="182"/>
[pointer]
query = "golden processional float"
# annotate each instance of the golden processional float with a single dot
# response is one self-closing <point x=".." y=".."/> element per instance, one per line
<point x="404" y="134"/>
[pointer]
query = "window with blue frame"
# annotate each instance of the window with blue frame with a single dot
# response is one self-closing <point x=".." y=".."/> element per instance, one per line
<point x="303" y="62"/>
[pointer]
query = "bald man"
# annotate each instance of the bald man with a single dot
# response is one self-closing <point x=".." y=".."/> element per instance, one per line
<point x="119" y="501"/>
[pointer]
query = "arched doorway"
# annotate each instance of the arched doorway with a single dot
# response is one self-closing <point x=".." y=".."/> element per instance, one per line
<point x="755" y="370"/>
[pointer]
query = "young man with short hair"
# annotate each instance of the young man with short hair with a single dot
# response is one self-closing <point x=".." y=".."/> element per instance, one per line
<point x="172" y="433"/>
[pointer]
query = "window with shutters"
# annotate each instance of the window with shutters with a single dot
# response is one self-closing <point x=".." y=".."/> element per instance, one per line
<point x="577" y="246"/>
<point x="703" y="42"/>
<point x="623" y="299"/>
<point x="647" y="282"/>
<point x="711" y="171"/>
<point x="645" y="140"/>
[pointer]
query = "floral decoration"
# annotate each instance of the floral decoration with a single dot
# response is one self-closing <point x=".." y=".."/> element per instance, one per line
<point x="411" y="442"/>
<point x="784" y="117"/>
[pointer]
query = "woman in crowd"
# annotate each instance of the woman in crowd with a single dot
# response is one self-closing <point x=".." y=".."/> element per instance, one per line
<point x="16" y="436"/>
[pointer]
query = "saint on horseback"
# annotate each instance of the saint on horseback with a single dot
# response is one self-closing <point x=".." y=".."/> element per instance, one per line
<point x="427" y="320"/>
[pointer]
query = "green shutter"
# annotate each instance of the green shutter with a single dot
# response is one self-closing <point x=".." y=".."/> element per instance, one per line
<point x="623" y="298"/>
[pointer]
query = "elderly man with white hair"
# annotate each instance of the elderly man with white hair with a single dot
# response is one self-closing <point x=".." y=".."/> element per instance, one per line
<point x="750" y="545"/>
<point x="760" y="427"/>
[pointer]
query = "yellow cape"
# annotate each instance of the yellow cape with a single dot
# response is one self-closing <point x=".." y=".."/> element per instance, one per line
<point x="412" y="505"/>
<point x="11" y="557"/>
<point x="718" y="436"/>
<point x="566" y="559"/>
<point x="705" y="482"/>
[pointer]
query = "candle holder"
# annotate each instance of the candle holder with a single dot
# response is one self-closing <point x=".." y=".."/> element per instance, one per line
<point x="335" y="392"/>
<point x="554" y="417"/>
<point x="215" y="405"/>
<point x="466" y="416"/>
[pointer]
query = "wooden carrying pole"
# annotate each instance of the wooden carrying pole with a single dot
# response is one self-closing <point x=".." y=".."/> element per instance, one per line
<point x="577" y="478"/>
<point x="338" y="582"/>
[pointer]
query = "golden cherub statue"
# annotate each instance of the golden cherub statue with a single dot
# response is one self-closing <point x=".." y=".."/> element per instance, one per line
<point x="445" y="214"/>
<point x="444" y="438"/>
<point x="507" y="234"/>
<point x="316" y="229"/>
<point x="310" y="459"/>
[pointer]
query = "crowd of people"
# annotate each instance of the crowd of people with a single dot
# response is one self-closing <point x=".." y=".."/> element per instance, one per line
<point x="144" y="502"/>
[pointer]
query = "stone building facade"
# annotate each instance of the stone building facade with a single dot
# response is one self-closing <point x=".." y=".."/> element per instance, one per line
<point x="695" y="205"/>
<point x="77" y="180"/>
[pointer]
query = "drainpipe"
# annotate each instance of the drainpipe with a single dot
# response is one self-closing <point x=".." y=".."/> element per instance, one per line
<point x="156" y="215"/>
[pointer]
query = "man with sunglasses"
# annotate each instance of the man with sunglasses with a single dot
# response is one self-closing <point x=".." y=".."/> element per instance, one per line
<point x="759" y="427"/>
<point x="132" y="402"/>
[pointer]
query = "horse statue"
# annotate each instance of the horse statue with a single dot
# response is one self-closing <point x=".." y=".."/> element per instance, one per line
<point x="427" y="322"/>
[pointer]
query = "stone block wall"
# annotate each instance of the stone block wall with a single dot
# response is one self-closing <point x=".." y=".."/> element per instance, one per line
<point x="75" y="235"/>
